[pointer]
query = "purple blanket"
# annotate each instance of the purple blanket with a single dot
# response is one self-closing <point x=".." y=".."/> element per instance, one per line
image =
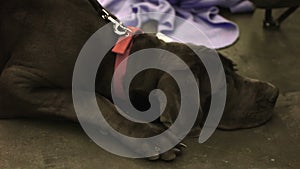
<point x="197" y="15"/>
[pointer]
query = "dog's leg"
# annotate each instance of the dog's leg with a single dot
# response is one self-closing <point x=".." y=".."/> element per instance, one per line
<point x="135" y="130"/>
<point x="22" y="95"/>
<point x="171" y="90"/>
<point x="25" y="94"/>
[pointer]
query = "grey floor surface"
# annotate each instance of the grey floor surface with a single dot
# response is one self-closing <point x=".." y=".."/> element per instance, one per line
<point x="267" y="55"/>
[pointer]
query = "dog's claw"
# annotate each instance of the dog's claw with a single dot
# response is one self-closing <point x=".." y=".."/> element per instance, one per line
<point x="177" y="151"/>
<point x="182" y="145"/>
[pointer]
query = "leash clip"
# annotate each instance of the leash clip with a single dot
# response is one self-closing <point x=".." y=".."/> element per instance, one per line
<point x="118" y="26"/>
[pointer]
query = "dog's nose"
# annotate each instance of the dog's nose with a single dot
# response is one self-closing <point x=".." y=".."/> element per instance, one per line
<point x="273" y="97"/>
<point x="271" y="92"/>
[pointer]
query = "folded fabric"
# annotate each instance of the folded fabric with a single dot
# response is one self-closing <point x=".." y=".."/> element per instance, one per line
<point x="198" y="21"/>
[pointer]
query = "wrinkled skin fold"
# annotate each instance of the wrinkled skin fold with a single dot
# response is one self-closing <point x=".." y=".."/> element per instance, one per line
<point x="42" y="39"/>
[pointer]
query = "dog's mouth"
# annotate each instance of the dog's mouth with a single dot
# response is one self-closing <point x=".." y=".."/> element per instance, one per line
<point x="256" y="108"/>
<point x="265" y="110"/>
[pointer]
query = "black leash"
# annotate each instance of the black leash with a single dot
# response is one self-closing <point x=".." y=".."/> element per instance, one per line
<point x="101" y="11"/>
<point x="118" y="26"/>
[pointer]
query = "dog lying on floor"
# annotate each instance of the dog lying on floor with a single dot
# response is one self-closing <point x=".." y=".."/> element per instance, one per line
<point x="42" y="40"/>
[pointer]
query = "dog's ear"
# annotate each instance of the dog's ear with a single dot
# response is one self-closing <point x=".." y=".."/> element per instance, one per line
<point x="228" y="64"/>
<point x="172" y="65"/>
<point x="184" y="53"/>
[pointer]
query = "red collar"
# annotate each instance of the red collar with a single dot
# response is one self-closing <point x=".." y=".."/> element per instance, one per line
<point x="122" y="49"/>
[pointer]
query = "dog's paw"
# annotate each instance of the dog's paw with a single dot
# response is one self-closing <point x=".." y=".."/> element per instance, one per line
<point x="159" y="145"/>
<point x="171" y="154"/>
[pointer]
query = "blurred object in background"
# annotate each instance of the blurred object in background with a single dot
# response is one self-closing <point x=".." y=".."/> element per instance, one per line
<point x="274" y="24"/>
<point x="203" y="14"/>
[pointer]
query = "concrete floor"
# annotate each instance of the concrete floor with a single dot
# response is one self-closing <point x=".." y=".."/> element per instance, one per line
<point x="271" y="56"/>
